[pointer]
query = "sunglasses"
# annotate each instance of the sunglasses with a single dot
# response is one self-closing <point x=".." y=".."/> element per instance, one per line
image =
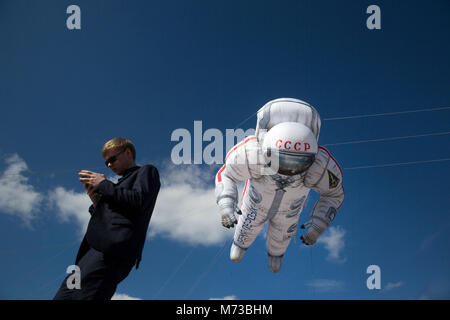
<point x="113" y="158"/>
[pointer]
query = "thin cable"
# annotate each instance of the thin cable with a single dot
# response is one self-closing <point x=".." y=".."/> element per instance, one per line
<point x="25" y="276"/>
<point x="388" y="139"/>
<point x="173" y="273"/>
<point x="37" y="173"/>
<point x="396" y="164"/>
<point x="386" y="114"/>
<point x="46" y="261"/>
<point x="366" y="115"/>
<point x="325" y="145"/>
<point x="312" y="271"/>
<point x="244" y="121"/>
<point x="213" y="261"/>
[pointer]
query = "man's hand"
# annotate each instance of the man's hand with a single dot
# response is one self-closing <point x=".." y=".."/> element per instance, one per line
<point x="91" y="193"/>
<point x="90" y="178"/>
<point x="90" y="181"/>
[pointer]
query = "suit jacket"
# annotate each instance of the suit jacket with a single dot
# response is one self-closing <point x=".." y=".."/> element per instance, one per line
<point x="120" y="219"/>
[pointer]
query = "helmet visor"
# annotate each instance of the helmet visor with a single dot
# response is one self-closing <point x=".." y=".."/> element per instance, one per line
<point x="291" y="164"/>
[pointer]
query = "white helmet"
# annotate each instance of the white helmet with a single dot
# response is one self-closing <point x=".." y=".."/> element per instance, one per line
<point x="293" y="144"/>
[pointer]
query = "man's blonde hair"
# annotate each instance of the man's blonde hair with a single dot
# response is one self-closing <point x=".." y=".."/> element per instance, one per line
<point x="119" y="144"/>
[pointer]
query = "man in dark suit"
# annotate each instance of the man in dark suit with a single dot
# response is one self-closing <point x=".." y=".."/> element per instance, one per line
<point x="120" y="215"/>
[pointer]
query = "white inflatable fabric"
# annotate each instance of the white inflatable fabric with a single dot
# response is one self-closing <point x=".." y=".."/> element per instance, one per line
<point x="287" y="110"/>
<point x="276" y="198"/>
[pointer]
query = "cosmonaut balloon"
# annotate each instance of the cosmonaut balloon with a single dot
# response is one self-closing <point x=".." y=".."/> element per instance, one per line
<point x="280" y="164"/>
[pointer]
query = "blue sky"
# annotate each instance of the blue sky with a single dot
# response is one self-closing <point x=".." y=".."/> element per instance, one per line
<point x="142" y="69"/>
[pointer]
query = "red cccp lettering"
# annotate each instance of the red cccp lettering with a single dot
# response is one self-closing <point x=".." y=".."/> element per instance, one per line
<point x="278" y="143"/>
<point x="288" y="145"/>
<point x="307" y="146"/>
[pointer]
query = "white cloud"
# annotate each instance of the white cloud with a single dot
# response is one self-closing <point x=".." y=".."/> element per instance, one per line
<point x="232" y="297"/>
<point x="71" y="206"/>
<point x="186" y="209"/>
<point x="122" y="296"/>
<point x="325" y="285"/>
<point x="17" y="196"/>
<point x="333" y="240"/>
<point x="393" y="285"/>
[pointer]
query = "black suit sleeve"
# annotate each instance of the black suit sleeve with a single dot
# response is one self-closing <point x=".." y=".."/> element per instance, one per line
<point x="145" y="189"/>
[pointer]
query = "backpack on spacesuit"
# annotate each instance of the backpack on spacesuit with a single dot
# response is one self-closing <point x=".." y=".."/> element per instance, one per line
<point x="286" y="110"/>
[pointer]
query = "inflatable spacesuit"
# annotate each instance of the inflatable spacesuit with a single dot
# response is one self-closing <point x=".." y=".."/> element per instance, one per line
<point x="279" y="165"/>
